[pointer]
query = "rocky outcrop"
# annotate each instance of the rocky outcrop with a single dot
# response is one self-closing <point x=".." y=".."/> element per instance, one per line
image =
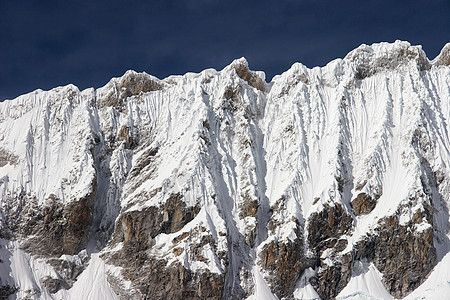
<point x="137" y="228"/>
<point x="124" y="135"/>
<point x="248" y="213"/>
<point x="53" y="285"/>
<point x="68" y="270"/>
<point x="326" y="226"/>
<point x="54" y="230"/>
<point x="130" y="84"/>
<point x="252" y="78"/>
<point x="369" y="62"/>
<point x="324" y="230"/>
<point x="403" y="254"/>
<point x="6" y="157"/>
<point x="58" y="229"/>
<point x="153" y="279"/>
<point x="285" y="262"/>
<point x="331" y="279"/>
<point x="363" y="204"/>
<point x="151" y="276"/>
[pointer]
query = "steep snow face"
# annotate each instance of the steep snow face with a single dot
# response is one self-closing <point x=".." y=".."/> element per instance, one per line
<point x="325" y="182"/>
<point x="326" y="131"/>
<point x="49" y="135"/>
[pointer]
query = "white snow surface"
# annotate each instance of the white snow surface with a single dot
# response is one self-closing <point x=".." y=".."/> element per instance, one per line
<point x="296" y="139"/>
<point x="365" y="284"/>
<point x="91" y="284"/>
<point x="24" y="271"/>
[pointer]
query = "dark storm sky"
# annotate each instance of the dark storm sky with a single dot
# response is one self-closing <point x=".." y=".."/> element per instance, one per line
<point x="44" y="44"/>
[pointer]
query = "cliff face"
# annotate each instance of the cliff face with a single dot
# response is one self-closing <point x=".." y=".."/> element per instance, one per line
<point x="219" y="185"/>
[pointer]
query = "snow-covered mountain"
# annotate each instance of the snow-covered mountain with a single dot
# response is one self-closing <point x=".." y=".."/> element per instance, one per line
<point x="329" y="182"/>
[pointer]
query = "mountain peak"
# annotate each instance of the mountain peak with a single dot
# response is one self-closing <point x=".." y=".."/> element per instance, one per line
<point x="372" y="59"/>
<point x="443" y="59"/>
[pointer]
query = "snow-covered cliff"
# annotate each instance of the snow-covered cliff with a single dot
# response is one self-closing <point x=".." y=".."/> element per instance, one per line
<point x="325" y="182"/>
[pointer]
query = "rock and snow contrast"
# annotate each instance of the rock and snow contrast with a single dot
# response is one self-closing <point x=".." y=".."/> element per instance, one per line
<point x="329" y="182"/>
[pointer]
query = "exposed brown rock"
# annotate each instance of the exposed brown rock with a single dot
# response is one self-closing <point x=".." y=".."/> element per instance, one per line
<point x="360" y="185"/>
<point x="324" y="229"/>
<point x="124" y="135"/>
<point x="197" y="248"/>
<point x="153" y="279"/>
<point x="175" y="282"/>
<point x="249" y="209"/>
<point x="130" y="84"/>
<point x="150" y="275"/>
<point x="363" y="204"/>
<point x="331" y="222"/>
<point x="283" y="261"/>
<point x="269" y="255"/>
<point x="7" y="157"/>
<point x="276" y="209"/>
<point x="341" y="245"/>
<point x="423" y="215"/>
<point x="137" y="228"/>
<point x="57" y="229"/>
<point x="252" y="78"/>
<point x="179" y="238"/>
<point x="231" y="93"/>
<point x="404" y="256"/>
<point x="79" y="218"/>
<point x="332" y="279"/>
<point x="53" y="285"/>
<point x="292" y="82"/>
<point x="68" y="270"/>
<point x="53" y="230"/>
<point x="143" y="161"/>
<point x="368" y="65"/>
<point x="177" y="251"/>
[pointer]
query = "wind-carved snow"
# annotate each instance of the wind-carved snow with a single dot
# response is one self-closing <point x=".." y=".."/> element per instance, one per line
<point x="365" y="284"/>
<point x="252" y="161"/>
<point x="44" y="138"/>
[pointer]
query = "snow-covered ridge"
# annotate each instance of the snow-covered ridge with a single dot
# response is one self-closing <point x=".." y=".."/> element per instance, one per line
<point x="254" y="189"/>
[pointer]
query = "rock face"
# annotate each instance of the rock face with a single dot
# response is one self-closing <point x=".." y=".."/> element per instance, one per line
<point x="6" y="291"/>
<point x="131" y="84"/>
<point x="57" y="229"/>
<point x="285" y="262"/>
<point x="154" y="280"/>
<point x="403" y="256"/>
<point x="326" y="226"/>
<point x="219" y="185"/>
<point x="363" y="204"/>
<point x="137" y="228"/>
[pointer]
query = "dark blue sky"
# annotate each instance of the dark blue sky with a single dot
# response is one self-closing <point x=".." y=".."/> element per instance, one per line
<point x="44" y="44"/>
